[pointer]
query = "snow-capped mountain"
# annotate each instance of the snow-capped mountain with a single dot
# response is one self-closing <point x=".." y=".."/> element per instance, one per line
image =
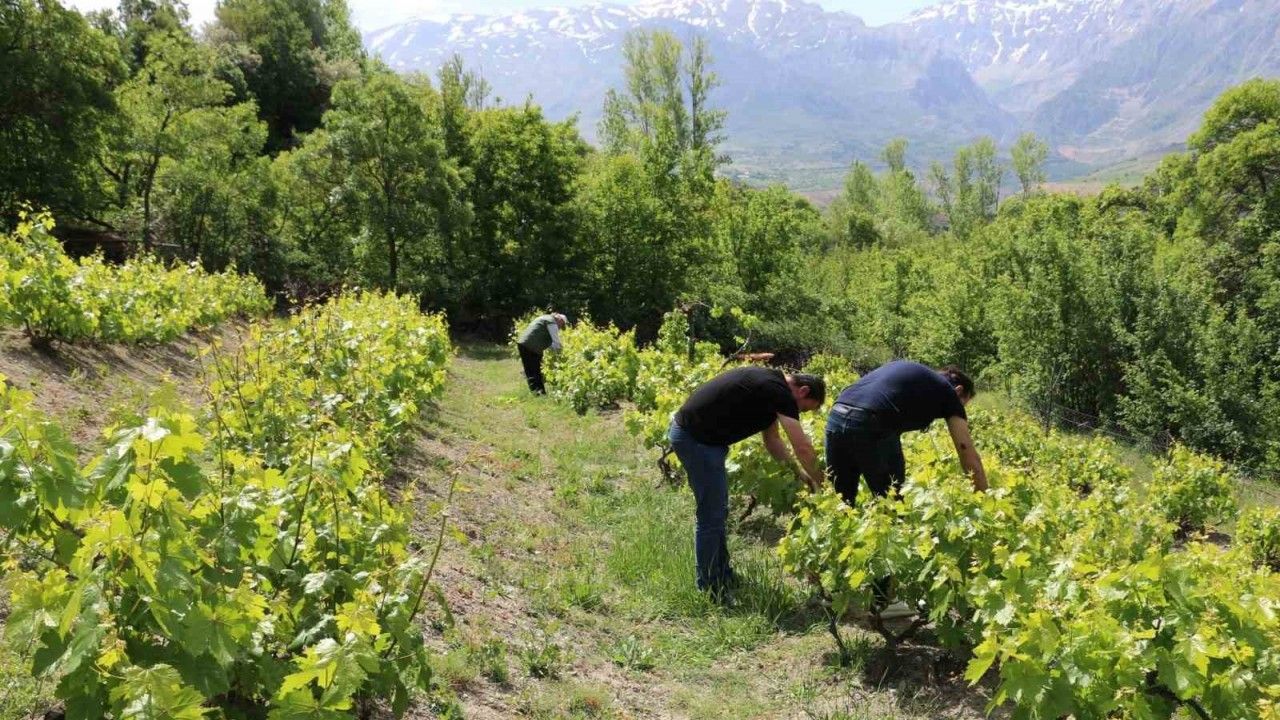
<point x="809" y="89"/>
<point x="1025" y="52"/>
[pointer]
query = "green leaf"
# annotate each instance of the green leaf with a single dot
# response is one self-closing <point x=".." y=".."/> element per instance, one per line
<point x="984" y="655"/>
<point x="156" y="693"/>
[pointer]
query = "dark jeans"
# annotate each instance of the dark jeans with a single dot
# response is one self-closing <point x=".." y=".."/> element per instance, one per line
<point x="710" y="484"/>
<point x="532" y="362"/>
<point x="858" y="447"/>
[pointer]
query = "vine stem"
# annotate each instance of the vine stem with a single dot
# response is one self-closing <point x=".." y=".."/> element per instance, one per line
<point x="435" y="554"/>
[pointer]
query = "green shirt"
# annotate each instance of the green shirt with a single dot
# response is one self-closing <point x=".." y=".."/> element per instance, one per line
<point x="541" y="335"/>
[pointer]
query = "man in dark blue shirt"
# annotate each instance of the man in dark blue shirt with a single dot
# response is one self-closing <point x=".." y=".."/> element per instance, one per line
<point x="864" y="429"/>
<point x="864" y="436"/>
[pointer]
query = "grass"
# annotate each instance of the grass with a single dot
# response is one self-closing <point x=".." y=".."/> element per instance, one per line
<point x="585" y="562"/>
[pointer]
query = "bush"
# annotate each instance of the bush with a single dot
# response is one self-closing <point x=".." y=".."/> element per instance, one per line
<point x="1258" y="532"/>
<point x="53" y="298"/>
<point x="248" y="561"/>
<point x="1192" y="491"/>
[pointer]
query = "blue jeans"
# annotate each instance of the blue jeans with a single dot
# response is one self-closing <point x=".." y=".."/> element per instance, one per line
<point x="859" y="446"/>
<point x="709" y="482"/>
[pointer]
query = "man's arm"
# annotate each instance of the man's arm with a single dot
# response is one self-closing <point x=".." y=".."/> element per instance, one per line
<point x="807" y="468"/>
<point x="554" y="329"/>
<point x="969" y="459"/>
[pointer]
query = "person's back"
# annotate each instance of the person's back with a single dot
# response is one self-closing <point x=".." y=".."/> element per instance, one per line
<point x="722" y="411"/>
<point x="736" y="405"/>
<point x="905" y="395"/>
<point x="537" y="334"/>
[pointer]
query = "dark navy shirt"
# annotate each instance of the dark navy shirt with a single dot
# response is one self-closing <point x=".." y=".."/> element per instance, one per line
<point x="905" y="395"/>
<point x="737" y="404"/>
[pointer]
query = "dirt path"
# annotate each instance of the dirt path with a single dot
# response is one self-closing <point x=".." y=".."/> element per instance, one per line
<point x="567" y="589"/>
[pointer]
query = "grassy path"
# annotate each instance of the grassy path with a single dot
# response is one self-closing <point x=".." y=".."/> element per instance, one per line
<point x="567" y="582"/>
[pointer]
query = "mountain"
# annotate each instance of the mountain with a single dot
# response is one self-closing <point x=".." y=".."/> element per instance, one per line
<point x="807" y="90"/>
<point x="1105" y="80"/>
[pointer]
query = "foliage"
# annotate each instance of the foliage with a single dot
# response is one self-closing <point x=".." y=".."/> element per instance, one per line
<point x="54" y="298"/>
<point x="596" y="368"/>
<point x="291" y="53"/>
<point x="1192" y="491"/>
<point x="1258" y="532"/>
<point x="1080" y="599"/>
<point x="392" y="156"/>
<point x="1029" y="154"/>
<point x="246" y="561"/>
<point x="56" y="107"/>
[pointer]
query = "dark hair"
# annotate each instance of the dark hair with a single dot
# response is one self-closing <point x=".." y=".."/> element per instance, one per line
<point x="817" y="386"/>
<point x="956" y="376"/>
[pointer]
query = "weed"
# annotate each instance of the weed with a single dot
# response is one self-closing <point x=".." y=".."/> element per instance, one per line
<point x="632" y="654"/>
<point x="542" y="656"/>
<point x="491" y="657"/>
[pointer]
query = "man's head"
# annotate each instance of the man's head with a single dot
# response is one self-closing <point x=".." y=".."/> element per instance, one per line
<point x="960" y="381"/>
<point x="561" y="321"/>
<point x="808" y="390"/>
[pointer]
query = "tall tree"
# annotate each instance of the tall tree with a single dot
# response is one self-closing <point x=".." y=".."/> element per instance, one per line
<point x="970" y="193"/>
<point x="291" y="53"/>
<point x="56" y="104"/>
<point x="157" y="105"/>
<point x="405" y="189"/>
<point x="1029" y="154"/>
<point x="663" y="118"/>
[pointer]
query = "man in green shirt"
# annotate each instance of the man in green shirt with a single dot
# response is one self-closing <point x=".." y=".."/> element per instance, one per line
<point x="541" y="335"/>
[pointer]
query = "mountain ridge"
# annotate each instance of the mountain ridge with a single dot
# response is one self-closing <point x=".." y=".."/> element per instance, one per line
<point x="808" y="90"/>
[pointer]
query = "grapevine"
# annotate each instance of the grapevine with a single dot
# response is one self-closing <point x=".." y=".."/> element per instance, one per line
<point x="52" y="297"/>
<point x="246" y="560"/>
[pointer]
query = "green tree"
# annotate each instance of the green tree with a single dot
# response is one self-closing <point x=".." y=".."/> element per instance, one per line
<point x="970" y="192"/>
<point x="162" y="110"/>
<point x="524" y="249"/>
<point x="291" y="52"/>
<point x="891" y="209"/>
<point x="406" y="192"/>
<point x="1029" y="154"/>
<point x="317" y="216"/>
<point x="56" y="105"/>
<point x="664" y="119"/>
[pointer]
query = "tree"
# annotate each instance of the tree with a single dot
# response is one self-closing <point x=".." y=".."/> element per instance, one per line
<point x="891" y="209"/>
<point x="1029" y="154"/>
<point x="663" y="118"/>
<point x="406" y="192"/>
<point x="664" y="114"/>
<point x="158" y="109"/>
<point x="56" y="104"/>
<point x="524" y="248"/>
<point x="970" y="193"/>
<point x="291" y="53"/>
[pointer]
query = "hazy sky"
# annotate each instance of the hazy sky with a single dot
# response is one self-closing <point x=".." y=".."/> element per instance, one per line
<point x="373" y="14"/>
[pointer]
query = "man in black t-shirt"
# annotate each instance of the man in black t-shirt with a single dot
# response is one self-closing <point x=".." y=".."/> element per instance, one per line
<point x="728" y="408"/>
<point x="865" y="426"/>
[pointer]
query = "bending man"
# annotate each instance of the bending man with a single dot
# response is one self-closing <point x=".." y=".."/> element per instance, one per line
<point x="541" y="335"/>
<point x="865" y="426"/>
<point x="728" y="408"/>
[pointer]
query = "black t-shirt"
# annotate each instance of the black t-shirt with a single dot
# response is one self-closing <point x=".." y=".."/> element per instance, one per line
<point x="906" y="395"/>
<point x="737" y="404"/>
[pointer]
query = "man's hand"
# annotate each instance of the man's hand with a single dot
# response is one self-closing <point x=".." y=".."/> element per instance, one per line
<point x="803" y="449"/>
<point x="969" y="459"/>
<point x="778" y="449"/>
